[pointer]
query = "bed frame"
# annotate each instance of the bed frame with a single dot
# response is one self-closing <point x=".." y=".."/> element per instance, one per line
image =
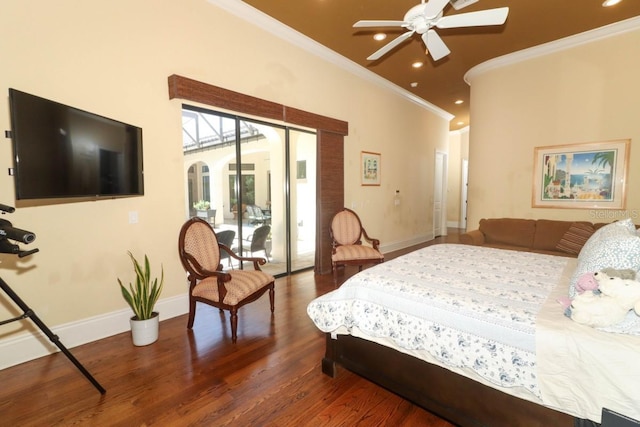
<point x="438" y="390"/>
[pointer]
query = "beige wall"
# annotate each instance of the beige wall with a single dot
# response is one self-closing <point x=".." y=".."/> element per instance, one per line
<point x="114" y="59"/>
<point x="583" y="94"/>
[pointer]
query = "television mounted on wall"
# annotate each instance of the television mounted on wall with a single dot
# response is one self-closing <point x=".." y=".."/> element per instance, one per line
<point x="61" y="151"/>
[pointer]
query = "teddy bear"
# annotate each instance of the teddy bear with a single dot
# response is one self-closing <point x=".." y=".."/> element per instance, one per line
<point x="609" y="306"/>
<point x="626" y="273"/>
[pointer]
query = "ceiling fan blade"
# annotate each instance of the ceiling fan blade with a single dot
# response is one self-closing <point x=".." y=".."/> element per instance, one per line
<point x="434" y="7"/>
<point x="475" y="19"/>
<point x="393" y="43"/>
<point x="366" y="24"/>
<point x="436" y="47"/>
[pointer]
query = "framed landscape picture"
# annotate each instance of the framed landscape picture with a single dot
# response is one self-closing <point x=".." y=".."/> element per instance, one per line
<point x="370" y="168"/>
<point x="581" y="176"/>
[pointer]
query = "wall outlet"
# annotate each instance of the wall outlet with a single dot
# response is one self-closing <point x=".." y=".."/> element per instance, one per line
<point x="133" y="217"/>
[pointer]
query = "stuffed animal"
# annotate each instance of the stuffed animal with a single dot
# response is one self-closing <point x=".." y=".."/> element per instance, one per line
<point x="610" y="306"/>
<point x="586" y="282"/>
<point x="627" y="273"/>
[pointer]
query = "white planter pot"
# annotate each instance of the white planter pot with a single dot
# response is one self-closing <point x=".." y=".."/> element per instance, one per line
<point x="145" y="332"/>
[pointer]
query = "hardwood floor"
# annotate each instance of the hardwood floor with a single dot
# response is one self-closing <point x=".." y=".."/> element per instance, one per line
<point x="271" y="377"/>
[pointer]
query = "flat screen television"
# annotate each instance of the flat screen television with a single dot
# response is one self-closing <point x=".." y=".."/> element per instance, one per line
<point x="61" y="151"/>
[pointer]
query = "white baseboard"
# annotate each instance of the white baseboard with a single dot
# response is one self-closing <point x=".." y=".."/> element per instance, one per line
<point x="395" y="246"/>
<point x="32" y="345"/>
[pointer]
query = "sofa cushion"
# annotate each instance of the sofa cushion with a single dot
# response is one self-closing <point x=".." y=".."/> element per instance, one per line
<point x="549" y="233"/>
<point x="575" y="237"/>
<point x="510" y="231"/>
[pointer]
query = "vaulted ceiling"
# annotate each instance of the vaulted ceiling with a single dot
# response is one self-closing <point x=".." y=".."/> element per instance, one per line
<point x="441" y="83"/>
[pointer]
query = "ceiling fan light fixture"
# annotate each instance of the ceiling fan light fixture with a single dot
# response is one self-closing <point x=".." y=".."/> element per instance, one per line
<point x="608" y="3"/>
<point x="424" y="17"/>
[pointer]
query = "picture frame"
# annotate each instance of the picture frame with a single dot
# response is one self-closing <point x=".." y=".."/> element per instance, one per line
<point x="581" y="176"/>
<point x="370" y="171"/>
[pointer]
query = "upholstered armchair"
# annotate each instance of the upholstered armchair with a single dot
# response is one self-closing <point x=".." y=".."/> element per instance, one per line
<point x="346" y="239"/>
<point x="199" y="252"/>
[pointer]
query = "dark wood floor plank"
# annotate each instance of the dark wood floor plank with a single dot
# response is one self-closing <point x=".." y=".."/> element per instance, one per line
<point x="271" y="377"/>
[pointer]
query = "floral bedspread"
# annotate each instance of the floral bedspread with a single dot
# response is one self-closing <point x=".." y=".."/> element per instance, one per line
<point x="467" y="306"/>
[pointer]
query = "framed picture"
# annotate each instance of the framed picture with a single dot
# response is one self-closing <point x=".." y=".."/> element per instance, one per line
<point x="370" y="168"/>
<point x="581" y="176"/>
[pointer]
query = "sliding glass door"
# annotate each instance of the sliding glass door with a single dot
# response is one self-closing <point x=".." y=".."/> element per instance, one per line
<point x="302" y="185"/>
<point x="259" y="180"/>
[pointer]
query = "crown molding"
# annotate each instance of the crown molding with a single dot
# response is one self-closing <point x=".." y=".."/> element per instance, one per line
<point x="555" y="46"/>
<point x="288" y="34"/>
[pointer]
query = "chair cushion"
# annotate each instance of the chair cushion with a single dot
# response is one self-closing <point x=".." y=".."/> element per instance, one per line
<point x="242" y="284"/>
<point x="355" y="252"/>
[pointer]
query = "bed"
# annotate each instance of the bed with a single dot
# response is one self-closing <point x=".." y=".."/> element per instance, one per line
<point x="475" y="335"/>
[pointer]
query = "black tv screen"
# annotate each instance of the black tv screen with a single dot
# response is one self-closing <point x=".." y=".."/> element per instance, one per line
<point x="61" y="151"/>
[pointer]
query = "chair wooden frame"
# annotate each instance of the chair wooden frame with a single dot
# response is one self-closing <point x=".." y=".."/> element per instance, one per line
<point x="374" y="256"/>
<point x="197" y="272"/>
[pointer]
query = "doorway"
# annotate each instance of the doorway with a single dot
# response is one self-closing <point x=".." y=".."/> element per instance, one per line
<point x="261" y="183"/>
<point x="439" y="195"/>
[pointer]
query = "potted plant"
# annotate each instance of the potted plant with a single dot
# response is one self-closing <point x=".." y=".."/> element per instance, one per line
<point x="202" y="205"/>
<point x="142" y="298"/>
<point x="204" y="211"/>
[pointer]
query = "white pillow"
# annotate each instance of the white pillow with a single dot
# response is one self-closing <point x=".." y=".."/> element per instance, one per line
<point x="619" y="249"/>
<point x="618" y="228"/>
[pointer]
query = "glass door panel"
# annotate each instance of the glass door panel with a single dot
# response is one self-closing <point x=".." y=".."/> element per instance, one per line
<point x="263" y="177"/>
<point x="302" y="164"/>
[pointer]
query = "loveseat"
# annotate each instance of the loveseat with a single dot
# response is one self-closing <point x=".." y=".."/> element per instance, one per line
<point x="545" y="236"/>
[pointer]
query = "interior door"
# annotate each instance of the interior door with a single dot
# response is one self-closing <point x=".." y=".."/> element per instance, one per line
<point x="439" y="225"/>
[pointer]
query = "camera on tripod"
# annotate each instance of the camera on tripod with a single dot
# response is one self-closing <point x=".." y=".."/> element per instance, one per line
<point x="8" y="231"/>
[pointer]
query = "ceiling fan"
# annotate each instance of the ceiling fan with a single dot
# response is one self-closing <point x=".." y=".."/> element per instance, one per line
<point x="422" y="18"/>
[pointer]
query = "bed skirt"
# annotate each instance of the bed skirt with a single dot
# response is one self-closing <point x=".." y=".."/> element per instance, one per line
<point x="453" y="397"/>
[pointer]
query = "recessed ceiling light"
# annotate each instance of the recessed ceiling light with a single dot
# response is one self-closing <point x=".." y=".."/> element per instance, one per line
<point x="414" y="84"/>
<point x="417" y="64"/>
<point x="380" y="36"/>
<point x="459" y="101"/>
<point x="460" y="123"/>
<point x="608" y="3"/>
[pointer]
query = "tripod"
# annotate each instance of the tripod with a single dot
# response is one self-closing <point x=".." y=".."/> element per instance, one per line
<point x="8" y="231"/>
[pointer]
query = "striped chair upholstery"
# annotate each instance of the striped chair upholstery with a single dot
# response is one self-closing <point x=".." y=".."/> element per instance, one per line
<point x="347" y="248"/>
<point x="200" y="254"/>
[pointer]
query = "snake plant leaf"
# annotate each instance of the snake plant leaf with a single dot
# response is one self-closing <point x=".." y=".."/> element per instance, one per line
<point x="144" y="294"/>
